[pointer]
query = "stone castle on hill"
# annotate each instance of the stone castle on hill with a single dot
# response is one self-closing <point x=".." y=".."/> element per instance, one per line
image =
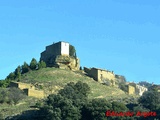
<point x="61" y="55"/>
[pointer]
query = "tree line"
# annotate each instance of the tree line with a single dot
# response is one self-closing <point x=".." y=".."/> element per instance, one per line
<point x="16" y="75"/>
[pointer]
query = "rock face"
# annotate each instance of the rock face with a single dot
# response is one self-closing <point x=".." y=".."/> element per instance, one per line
<point x="66" y="62"/>
<point x="61" y="55"/>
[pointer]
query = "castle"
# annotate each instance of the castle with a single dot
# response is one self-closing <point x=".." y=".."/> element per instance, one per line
<point x="61" y="55"/>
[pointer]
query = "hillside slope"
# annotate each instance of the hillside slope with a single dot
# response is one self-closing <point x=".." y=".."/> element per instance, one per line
<point x="56" y="79"/>
<point x="53" y="79"/>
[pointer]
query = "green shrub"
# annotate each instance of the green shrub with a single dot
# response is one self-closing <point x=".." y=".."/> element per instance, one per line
<point x="11" y="95"/>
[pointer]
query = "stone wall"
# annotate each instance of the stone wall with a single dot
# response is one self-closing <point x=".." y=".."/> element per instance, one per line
<point x="92" y="73"/>
<point x="21" y="85"/>
<point x="34" y="93"/>
<point x="140" y="89"/>
<point x="104" y="74"/>
<point x="100" y="75"/>
<point x="59" y="48"/>
<point x="64" y="49"/>
<point x="28" y="89"/>
<point x="131" y="90"/>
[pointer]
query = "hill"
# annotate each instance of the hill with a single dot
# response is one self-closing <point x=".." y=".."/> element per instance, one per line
<point x="55" y="79"/>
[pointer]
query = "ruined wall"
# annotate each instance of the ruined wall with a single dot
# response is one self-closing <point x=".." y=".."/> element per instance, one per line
<point x="21" y="85"/>
<point x="34" y="93"/>
<point x="131" y="90"/>
<point x="103" y="74"/>
<point x="93" y="73"/>
<point x="100" y="75"/>
<point x="28" y="89"/>
<point x="140" y="89"/>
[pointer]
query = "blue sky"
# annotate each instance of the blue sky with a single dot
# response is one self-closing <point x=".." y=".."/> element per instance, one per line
<point x="118" y="35"/>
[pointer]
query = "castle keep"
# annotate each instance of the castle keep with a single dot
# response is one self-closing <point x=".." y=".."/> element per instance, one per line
<point x="60" y="55"/>
<point x="60" y="48"/>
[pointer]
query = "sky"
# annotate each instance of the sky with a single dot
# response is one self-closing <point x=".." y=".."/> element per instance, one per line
<point x="117" y="35"/>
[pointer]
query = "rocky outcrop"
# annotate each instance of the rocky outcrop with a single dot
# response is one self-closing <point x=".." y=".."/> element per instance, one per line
<point x="66" y="62"/>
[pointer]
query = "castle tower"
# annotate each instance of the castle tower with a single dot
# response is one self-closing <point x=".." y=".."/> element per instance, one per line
<point x="60" y="55"/>
<point x="64" y="48"/>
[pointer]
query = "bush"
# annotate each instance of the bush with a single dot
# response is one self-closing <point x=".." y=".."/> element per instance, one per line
<point x="4" y="83"/>
<point x="4" y="95"/>
<point x="11" y="95"/>
<point x="1" y="117"/>
<point x="106" y="82"/>
<point x="72" y="51"/>
<point x="123" y="87"/>
<point x="95" y="109"/>
<point x="67" y="104"/>
<point x="150" y="100"/>
<point x="16" y="95"/>
<point x="41" y="64"/>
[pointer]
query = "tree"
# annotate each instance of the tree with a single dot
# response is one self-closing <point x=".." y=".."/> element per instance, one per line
<point x="60" y="108"/>
<point x="144" y="83"/>
<point x="119" y="107"/>
<point x="11" y="95"/>
<point x="15" y="95"/>
<point x="123" y="87"/>
<point x="5" y="83"/>
<point x="33" y="64"/>
<point x="67" y="104"/>
<point x="150" y="100"/>
<point x="41" y="64"/>
<point x="95" y="109"/>
<point x="76" y="92"/>
<point x="11" y="76"/>
<point x="72" y="51"/>
<point x="25" y="68"/>
<point x="80" y="68"/>
<point x="18" y="72"/>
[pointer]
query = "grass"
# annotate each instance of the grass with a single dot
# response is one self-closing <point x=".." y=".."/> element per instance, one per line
<point x="11" y="110"/>
<point x="59" y="78"/>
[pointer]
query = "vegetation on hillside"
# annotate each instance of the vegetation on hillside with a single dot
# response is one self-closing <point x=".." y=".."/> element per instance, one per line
<point x="72" y="51"/>
<point x="76" y="96"/>
<point x="11" y="95"/>
<point x="72" y="102"/>
<point x="20" y="70"/>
